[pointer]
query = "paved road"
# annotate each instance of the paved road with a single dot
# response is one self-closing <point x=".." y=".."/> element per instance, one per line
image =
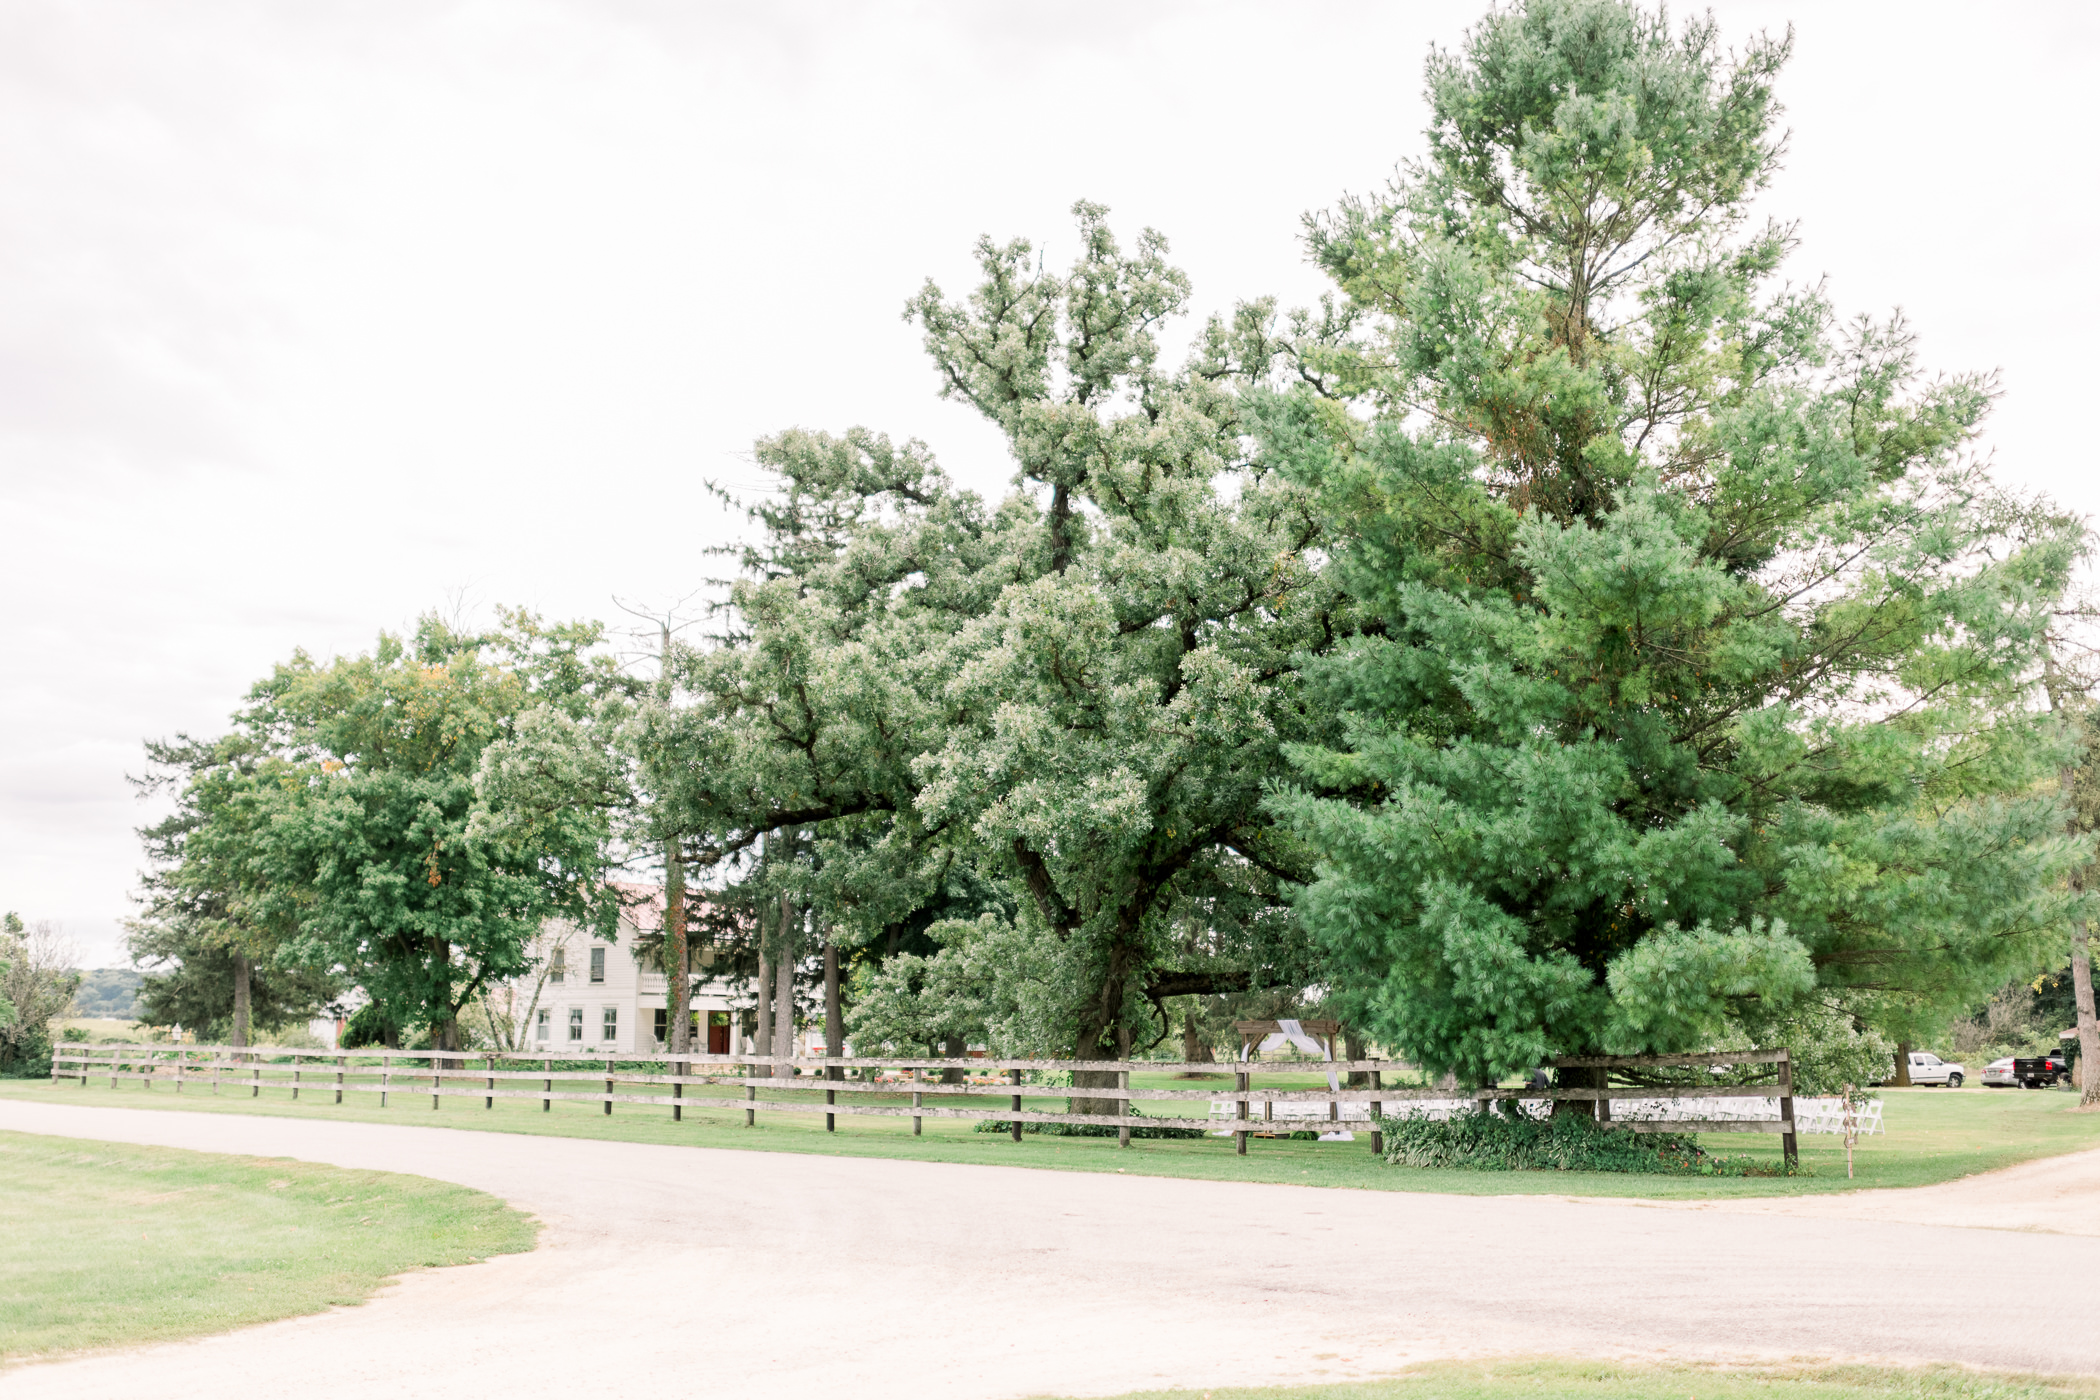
<point x="768" y="1273"/>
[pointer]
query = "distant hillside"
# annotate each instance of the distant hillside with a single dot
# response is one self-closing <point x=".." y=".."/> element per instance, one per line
<point x="108" y="991"/>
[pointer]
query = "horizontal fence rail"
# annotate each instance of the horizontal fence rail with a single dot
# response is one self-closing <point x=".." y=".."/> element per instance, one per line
<point x="490" y="1075"/>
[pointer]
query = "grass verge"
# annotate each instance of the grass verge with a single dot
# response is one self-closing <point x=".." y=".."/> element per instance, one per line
<point x="1554" y="1379"/>
<point x="110" y="1244"/>
<point x="1933" y="1135"/>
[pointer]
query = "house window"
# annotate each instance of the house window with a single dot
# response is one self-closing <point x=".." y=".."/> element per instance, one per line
<point x="542" y="1023"/>
<point x="597" y="964"/>
<point x="575" y="1023"/>
<point x="663" y="1026"/>
<point x="558" y="966"/>
<point x="612" y="1023"/>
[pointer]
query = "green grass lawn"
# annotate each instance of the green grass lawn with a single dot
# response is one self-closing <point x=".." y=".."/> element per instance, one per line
<point x="110" y="1244"/>
<point x="1547" y="1379"/>
<point x="1933" y="1135"/>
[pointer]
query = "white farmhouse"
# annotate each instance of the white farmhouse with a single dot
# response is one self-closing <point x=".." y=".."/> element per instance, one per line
<point x="598" y="998"/>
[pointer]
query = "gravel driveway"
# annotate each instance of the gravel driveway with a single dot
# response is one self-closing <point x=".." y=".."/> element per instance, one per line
<point x="722" y="1273"/>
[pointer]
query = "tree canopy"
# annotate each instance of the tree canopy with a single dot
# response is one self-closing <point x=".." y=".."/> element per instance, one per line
<point x="1568" y="636"/>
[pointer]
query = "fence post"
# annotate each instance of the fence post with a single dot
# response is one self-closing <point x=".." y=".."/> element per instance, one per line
<point x="547" y="1088"/>
<point x="254" y="1064"/>
<point x="831" y="1096"/>
<point x="1786" y="1107"/>
<point x="1016" y="1074"/>
<point x="437" y="1076"/>
<point x="1242" y="1082"/>
<point x="917" y="1100"/>
<point x="180" y="1056"/>
<point x="608" y="1090"/>
<point x="1377" y="1112"/>
<point x="386" y="1074"/>
<point x="339" y="1062"/>
<point x="679" y="1069"/>
<point x="750" y="1097"/>
<point x="295" y="1079"/>
<point x="1123" y="1108"/>
<point x="215" y="1059"/>
<point x="489" y="1064"/>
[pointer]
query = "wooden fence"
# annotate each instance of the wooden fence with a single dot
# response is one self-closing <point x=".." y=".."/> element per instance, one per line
<point x="642" y="1080"/>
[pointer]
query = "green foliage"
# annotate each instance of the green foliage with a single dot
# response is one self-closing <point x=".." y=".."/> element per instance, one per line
<point x="10" y="931"/>
<point x="37" y="981"/>
<point x="1705" y="647"/>
<point x="370" y="1025"/>
<point x="365" y="849"/>
<point x="195" y="989"/>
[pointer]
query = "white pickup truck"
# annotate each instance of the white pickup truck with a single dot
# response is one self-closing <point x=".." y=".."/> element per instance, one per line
<point x="1928" y="1068"/>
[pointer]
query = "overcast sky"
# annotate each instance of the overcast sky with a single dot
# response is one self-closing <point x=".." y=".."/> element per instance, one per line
<point x="313" y="317"/>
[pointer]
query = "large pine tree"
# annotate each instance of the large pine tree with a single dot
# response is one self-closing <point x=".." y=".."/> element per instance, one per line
<point x="1702" y="689"/>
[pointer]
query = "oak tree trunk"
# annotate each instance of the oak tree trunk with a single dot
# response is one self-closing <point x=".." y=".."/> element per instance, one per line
<point x="1195" y="1049"/>
<point x="953" y="1048"/>
<point x="1102" y="1035"/>
<point x="1902" y="1079"/>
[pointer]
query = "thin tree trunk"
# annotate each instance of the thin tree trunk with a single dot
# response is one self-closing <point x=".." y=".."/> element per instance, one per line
<point x="834" y="1018"/>
<point x="2081" y="954"/>
<point x="1902" y="1079"/>
<point x="242" y="1000"/>
<point x="784" y="995"/>
<point x="762" y="1043"/>
<point x="444" y="1029"/>
<point x="678" y="983"/>
<point x="1353" y="1048"/>
<point x="2088" y="1030"/>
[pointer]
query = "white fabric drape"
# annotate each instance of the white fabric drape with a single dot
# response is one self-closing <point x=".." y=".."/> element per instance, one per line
<point x="1294" y="1034"/>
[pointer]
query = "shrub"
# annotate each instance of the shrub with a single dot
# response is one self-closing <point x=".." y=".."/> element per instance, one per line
<point x="1566" y="1142"/>
<point x="1138" y="1128"/>
<point x="28" y="1056"/>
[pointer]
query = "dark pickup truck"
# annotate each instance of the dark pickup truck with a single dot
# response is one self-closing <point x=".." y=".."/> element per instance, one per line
<point x="2031" y="1072"/>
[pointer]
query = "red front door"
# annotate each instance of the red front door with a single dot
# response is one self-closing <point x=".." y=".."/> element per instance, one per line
<point x="717" y="1037"/>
